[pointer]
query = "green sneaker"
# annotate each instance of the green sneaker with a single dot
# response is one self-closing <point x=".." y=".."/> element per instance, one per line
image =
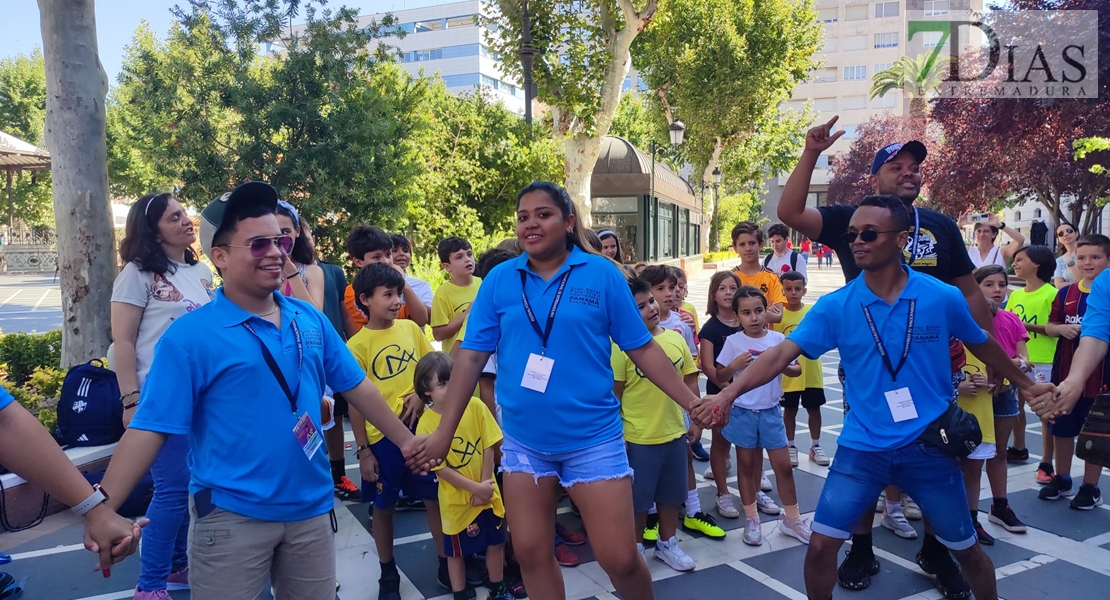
<point x="705" y="524"/>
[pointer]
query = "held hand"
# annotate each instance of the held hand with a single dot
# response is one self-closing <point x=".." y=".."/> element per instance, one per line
<point x="1070" y="331"/>
<point x="368" y="466"/>
<point x="414" y="407"/>
<point x="422" y="453"/>
<point x="820" y="138"/>
<point x="1040" y="397"/>
<point x="482" y="494"/>
<point x="1067" y="394"/>
<point x="967" y="388"/>
<point x="111" y="536"/>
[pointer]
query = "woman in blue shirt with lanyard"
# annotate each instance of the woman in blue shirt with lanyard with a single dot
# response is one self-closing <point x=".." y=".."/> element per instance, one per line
<point x="552" y="316"/>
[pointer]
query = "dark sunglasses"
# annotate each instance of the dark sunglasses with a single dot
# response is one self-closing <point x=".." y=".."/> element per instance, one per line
<point x="866" y="236"/>
<point x="260" y="246"/>
<point x="1064" y="232"/>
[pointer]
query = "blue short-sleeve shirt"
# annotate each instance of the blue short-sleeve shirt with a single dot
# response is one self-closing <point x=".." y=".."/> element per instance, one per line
<point x="578" y="409"/>
<point x="837" y="321"/>
<point x="5" y="398"/>
<point x="1096" y="321"/>
<point x="209" y="381"/>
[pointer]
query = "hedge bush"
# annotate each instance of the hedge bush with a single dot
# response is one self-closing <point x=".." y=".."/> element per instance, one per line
<point x="21" y="353"/>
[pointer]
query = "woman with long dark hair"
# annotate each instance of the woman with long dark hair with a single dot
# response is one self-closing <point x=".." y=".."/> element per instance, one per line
<point x="1066" y="272"/>
<point x="161" y="280"/>
<point x="611" y="245"/>
<point x="562" y="421"/>
<point x="303" y="279"/>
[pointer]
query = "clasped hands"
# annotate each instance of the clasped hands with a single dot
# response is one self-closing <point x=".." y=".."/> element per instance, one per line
<point x="710" y="412"/>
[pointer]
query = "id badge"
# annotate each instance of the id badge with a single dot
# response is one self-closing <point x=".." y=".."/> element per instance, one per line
<point x="307" y="436"/>
<point x="537" y="373"/>
<point x="901" y="405"/>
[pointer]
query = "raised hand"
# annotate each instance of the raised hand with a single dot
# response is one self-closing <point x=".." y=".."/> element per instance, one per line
<point x="820" y="138"/>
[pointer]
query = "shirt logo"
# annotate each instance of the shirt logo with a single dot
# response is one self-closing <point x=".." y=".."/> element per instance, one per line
<point x="676" y="363"/>
<point x="463" y="451"/>
<point x="577" y="295"/>
<point x="391" y="361"/>
<point x="926" y="248"/>
<point x="312" y="338"/>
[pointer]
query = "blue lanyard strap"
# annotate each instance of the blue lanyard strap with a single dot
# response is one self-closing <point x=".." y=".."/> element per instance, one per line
<point x="879" y="342"/>
<point x="916" y="232"/>
<point x="276" y="370"/>
<point x="546" y="332"/>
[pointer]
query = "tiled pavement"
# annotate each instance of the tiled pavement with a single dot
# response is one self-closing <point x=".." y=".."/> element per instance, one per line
<point x="1066" y="553"/>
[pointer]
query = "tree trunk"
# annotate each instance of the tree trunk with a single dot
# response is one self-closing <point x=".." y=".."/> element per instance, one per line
<point x="75" y="134"/>
<point x="709" y="234"/>
<point x="581" y="156"/>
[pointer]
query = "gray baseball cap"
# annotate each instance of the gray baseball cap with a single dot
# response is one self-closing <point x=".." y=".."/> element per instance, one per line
<point x="245" y="196"/>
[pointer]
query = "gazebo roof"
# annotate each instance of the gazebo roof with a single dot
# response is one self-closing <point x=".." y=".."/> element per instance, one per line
<point x="16" y="154"/>
<point x="623" y="169"/>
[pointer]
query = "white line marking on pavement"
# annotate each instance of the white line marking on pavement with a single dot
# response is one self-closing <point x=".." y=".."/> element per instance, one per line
<point x="37" y="304"/>
<point x="48" y="551"/>
<point x="767" y="580"/>
<point x="112" y="596"/>
<point x="11" y="297"/>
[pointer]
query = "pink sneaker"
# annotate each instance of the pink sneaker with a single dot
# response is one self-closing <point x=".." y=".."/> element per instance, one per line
<point x="178" y="580"/>
<point x="155" y="595"/>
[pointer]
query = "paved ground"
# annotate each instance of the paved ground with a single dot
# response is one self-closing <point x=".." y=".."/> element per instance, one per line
<point x="1066" y="553"/>
<point x="30" y="303"/>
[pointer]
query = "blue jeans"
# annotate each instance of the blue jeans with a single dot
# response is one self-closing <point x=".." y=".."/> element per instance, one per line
<point x="166" y="537"/>
<point x="930" y="476"/>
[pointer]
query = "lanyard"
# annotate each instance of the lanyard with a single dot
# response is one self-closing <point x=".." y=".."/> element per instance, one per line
<point x="270" y="362"/>
<point x="879" y="342"/>
<point x="916" y="232"/>
<point x="545" y="332"/>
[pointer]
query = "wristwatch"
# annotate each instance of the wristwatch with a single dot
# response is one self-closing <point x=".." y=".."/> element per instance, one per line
<point x="95" y="499"/>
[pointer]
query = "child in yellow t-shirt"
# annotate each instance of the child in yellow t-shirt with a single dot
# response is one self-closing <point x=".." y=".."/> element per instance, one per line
<point x="747" y="240"/>
<point x="469" y="500"/>
<point x="973" y="393"/>
<point x="655" y="433"/>
<point x="387" y="348"/>
<point x="808" y="389"/>
<point x="452" y="299"/>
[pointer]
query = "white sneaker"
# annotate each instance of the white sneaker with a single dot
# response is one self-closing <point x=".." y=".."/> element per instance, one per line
<point x="818" y="456"/>
<point x="640" y="549"/>
<point x="793" y="455"/>
<point x="726" y="506"/>
<point x="910" y="508"/>
<point x="708" y="474"/>
<point x="764" y="483"/>
<point x="753" y="535"/>
<point x="670" y="554"/>
<point x="895" y="520"/>
<point x="799" y="530"/>
<point x="880" y="505"/>
<point x="766" y="505"/>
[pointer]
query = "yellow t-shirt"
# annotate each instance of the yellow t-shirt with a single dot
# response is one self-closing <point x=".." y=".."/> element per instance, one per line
<point x="812" y="376"/>
<point x="686" y="306"/>
<point x="1033" y="308"/>
<point x="982" y="404"/>
<point x="448" y="302"/>
<point x="650" y="416"/>
<point x="389" y="357"/>
<point x="765" y="281"/>
<point x="477" y="433"/>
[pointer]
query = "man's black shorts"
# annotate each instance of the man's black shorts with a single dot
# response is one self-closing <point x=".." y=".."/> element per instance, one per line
<point x="810" y="398"/>
<point x="340" y="405"/>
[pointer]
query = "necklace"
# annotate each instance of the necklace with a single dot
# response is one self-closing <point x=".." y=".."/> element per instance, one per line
<point x="269" y="313"/>
<point x="731" y="322"/>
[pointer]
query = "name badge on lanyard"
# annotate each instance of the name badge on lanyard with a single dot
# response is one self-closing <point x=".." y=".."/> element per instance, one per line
<point x="899" y="401"/>
<point x="305" y="432"/>
<point x="537" y="372"/>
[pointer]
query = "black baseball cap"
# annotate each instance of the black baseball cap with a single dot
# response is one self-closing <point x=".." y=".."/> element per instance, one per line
<point x="885" y="154"/>
<point x="243" y="197"/>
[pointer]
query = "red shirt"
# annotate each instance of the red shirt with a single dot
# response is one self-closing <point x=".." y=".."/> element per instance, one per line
<point x="1068" y="308"/>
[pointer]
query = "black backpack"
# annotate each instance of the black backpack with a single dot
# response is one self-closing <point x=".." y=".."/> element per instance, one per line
<point x="793" y="260"/>
<point x="89" y="408"/>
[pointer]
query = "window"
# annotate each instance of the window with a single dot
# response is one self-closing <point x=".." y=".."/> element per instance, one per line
<point x="855" y="13"/>
<point x="854" y="103"/>
<point x="936" y="8"/>
<point x="1017" y="215"/>
<point x="855" y="73"/>
<point x="880" y="67"/>
<point x="886" y="40"/>
<point x="683" y="232"/>
<point x="827" y="15"/>
<point x="823" y="161"/>
<point x="665" y="230"/>
<point x="830" y="45"/>
<point x="824" y="104"/>
<point x="889" y="100"/>
<point x="855" y="42"/>
<point x="433" y="25"/>
<point x="798" y="106"/>
<point x="490" y="82"/>
<point x="826" y="75"/>
<point x="931" y="39"/>
<point x="423" y="55"/>
<point x="1036" y="213"/>
<point x="850" y="132"/>
<point x="463" y="21"/>
<point x="886" y="9"/>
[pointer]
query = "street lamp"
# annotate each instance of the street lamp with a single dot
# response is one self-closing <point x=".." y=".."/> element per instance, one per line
<point x="527" y="54"/>
<point x="716" y="208"/>
<point x="677" y="131"/>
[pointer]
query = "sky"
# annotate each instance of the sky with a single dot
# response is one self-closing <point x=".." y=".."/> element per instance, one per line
<point x="116" y="21"/>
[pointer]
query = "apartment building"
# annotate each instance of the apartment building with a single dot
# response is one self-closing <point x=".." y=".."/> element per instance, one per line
<point x="862" y="38"/>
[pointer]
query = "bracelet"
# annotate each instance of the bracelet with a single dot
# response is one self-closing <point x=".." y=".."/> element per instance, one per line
<point x="360" y="449"/>
<point x="1002" y="224"/>
<point x="128" y="395"/>
<point x="130" y="406"/>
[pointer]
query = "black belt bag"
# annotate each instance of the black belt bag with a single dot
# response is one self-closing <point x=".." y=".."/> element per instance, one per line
<point x="1093" y="445"/>
<point x="956" y="432"/>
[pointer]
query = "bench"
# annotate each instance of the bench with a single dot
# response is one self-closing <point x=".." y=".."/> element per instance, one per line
<point x="23" y="499"/>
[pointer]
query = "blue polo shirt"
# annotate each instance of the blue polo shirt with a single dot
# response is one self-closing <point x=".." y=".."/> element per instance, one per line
<point x="209" y="381"/>
<point x="5" y="398"/>
<point x="1096" y="321"/>
<point x="837" y="321"/>
<point x="578" y="410"/>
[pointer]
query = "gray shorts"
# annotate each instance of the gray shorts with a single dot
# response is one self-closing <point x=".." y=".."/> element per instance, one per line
<point x="658" y="474"/>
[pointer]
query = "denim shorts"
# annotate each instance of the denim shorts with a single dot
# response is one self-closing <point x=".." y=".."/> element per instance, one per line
<point x="930" y="476"/>
<point x="749" y="428"/>
<point x="606" y="460"/>
<point x="1006" y="404"/>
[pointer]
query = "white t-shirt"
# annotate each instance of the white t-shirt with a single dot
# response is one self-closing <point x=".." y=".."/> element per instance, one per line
<point x="163" y="298"/>
<point x="1063" y="270"/>
<point x="675" y="323"/>
<point x="994" y="257"/>
<point x="422" y="288"/>
<point x="781" y="264"/>
<point x="767" y="395"/>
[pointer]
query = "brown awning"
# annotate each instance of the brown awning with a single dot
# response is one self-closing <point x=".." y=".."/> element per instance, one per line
<point x="624" y="170"/>
<point x="18" y="155"/>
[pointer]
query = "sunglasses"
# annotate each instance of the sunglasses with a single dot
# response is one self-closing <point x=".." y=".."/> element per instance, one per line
<point x="866" y="236"/>
<point x="1064" y="232"/>
<point x="260" y="246"/>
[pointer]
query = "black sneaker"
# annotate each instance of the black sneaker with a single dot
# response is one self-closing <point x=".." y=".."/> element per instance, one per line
<point x="1056" y="489"/>
<point x="389" y="586"/>
<point x="1013" y="455"/>
<point x="945" y="573"/>
<point x="856" y="570"/>
<point x="985" y="538"/>
<point x="1088" y="498"/>
<point x="409" y="504"/>
<point x="475" y="571"/>
<point x="445" y="580"/>
<point x="1006" y="518"/>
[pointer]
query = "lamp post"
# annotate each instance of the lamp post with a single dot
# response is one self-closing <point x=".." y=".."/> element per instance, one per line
<point x="527" y="54"/>
<point x="716" y="209"/>
<point x="677" y="131"/>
